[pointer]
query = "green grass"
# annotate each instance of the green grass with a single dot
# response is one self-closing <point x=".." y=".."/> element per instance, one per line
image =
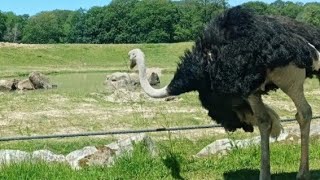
<point x="79" y="105"/>
<point x="176" y="161"/>
<point x="22" y="59"/>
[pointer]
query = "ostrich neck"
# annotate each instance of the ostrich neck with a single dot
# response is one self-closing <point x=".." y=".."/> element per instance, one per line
<point x="155" y="93"/>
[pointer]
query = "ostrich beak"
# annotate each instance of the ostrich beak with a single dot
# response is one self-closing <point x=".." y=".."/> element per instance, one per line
<point x="132" y="64"/>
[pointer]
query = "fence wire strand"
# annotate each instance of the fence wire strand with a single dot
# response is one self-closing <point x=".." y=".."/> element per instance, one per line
<point x="21" y="138"/>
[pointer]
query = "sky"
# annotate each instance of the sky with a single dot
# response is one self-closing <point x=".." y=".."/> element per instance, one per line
<point x="32" y="7"/>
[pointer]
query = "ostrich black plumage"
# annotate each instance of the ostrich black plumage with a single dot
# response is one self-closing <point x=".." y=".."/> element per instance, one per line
<point x="237" y="58"/>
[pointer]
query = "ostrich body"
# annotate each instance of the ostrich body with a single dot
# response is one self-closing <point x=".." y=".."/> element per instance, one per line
<point x="236" y="59"/>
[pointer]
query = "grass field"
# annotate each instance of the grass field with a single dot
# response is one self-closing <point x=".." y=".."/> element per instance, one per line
<point x="79" y="104"/>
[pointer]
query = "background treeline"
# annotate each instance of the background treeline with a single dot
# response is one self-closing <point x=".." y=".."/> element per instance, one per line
<point x="135" y="21"/>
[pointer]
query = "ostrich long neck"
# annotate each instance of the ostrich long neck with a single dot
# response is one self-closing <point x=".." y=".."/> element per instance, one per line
<point x="155" y="93"/>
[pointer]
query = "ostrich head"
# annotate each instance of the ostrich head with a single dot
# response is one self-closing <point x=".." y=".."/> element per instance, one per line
<point x="136" y="56"/>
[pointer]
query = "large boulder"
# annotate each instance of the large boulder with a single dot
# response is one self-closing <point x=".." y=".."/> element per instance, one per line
<point x="39" y="81"/>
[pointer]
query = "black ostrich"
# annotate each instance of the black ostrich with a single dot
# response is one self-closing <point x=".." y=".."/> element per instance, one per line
<point x="238" y="57"/>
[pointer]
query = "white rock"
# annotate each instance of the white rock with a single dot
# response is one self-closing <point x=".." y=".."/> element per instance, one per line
<point x="224" y="145"/>
<point x="126" y="145"/>
<point x="106" y="155"/>
<point x="74" y="157"/>
<point x="13" y="156"/>
<point x="48" y="156"/>
<point x="218" y="146"/>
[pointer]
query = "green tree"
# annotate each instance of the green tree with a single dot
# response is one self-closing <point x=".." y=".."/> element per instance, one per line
<point x="153" y="21"/>
<point x="46" y="27"/>
<point x="287" y="8"/>
<point x="117" y="23"/>
<point x="93" y="24"/>
<point x="76" y="27"/>
<point x="64" y="26"/>
<point x="190" y="20"/>
<point x="211" y="8"/>
<point x="14" y="27"/>
<point x="2" y="25"/>
<point x="310" y="14"/>
<point x="260" y="7"/>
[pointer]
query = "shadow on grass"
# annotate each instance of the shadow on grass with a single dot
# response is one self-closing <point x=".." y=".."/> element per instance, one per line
<point x="171" y="161"/>
<point x="249" y="174"/>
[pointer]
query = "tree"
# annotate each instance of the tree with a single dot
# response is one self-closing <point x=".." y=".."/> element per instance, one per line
<point x="260" y="7"/>
<point x="310" y="14"/>
<point x="14" y="27"/>
<point x="2" y="25"/>
<point x="153" y="21"/>
<point x="287" y="8"/>
<point x="117" y="22"/>
<point x="46" y="27"/>
<point x="93" y="24"/>
<point x="190" y="20"/>
<point x="212" y="8"/>
<point x="76" y="28"/>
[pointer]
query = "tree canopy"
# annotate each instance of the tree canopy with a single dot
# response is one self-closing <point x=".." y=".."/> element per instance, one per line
<point x="136" y="21"/>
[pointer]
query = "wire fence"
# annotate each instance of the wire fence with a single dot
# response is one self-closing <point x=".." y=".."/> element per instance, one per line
<point x="21" y="138"/>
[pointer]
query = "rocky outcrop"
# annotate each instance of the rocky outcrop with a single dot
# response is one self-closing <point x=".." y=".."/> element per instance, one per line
<point x="35" y="80"/>
<point x="128" y="81"/>
<point x="87" y="156"/>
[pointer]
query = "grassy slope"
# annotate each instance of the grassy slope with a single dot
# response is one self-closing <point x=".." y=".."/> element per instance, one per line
<point x="42" y="112"/>
<point x="17" y="59"/>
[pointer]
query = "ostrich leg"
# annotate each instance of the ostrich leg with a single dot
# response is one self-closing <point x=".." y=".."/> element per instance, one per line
<point x="303" y="117"/>
<point x="264" y="124"/>
<point x="291" y="83"/>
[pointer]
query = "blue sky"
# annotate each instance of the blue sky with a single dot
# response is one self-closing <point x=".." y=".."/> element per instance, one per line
<point x="32" y="7"/>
